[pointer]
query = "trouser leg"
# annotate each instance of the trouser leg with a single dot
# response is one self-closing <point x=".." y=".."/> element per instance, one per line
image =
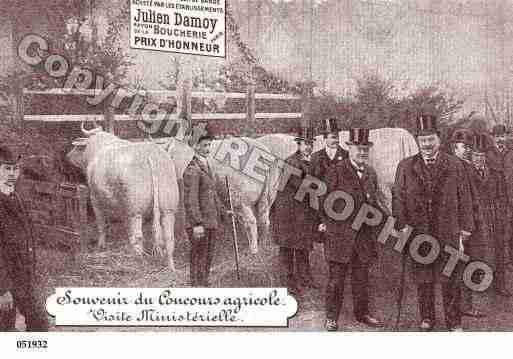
<point x="303" y="264"/>
<point x="335" y="289"/>
<point x="7" y="320"/>
<point x="32" y="308"/>
<point x="500" y="262"/>
<point x="286" y="267"/>
<point x="360" y="287"/>
<point x="210" y="247"/>
<point x="199" y="259"/>
<point x="426" y="300"/>
<point x="451" y="293"/>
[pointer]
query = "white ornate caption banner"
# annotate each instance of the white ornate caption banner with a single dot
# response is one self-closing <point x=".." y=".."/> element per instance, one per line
<point x="237" y="307"/>
<point x="194" y="27"/>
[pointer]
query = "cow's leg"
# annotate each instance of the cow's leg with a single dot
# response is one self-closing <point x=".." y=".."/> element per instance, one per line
<point x="262" y="211"/>
<point x="250" y="225"/>
<point x="158" y="243"/>
<point x="135" y="234"/>
<point x="100" y="221"/>
<point x="168" y="231"/>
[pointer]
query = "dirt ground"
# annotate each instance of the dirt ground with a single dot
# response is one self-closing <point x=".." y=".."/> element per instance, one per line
<point x="118" y="267"/>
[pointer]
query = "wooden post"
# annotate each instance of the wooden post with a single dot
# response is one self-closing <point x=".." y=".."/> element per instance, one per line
<point x="306" y="106"/>
<point x="108" y="115"/>
<point x="250" y="102"/>
<point x="81" y="197"/>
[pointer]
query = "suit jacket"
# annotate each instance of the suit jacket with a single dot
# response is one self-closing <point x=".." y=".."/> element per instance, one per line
<point x="489" y="208"/>
<point x="433" y="201"/>
<point x="322" y="164"/>
<point x="17" y="245"/>
<point x="341" y="239"/>
<point x="503" y="163"/>
<point x="201" y="200"/>
<point x="294" y="223"/>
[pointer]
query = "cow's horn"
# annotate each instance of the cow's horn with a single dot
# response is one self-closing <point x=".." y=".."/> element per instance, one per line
<point x="88" y="133"/>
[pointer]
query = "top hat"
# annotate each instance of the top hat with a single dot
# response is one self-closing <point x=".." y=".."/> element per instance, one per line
<point x="330" y="125"/>
<point x="359" y="137"/>
<point x="205" y="131"/>
<point x="305" y="134"/>
<point x="7" y="157"/>
<point x="499" y="130"/>
<point x="426" y="125"/>
<point x="480" y="143"/>
<point x="464" y="136"/>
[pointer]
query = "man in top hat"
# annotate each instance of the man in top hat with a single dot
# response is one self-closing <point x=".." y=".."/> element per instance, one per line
<point x="490" y="247"/>
<point x="326" y="159"/>
<point x="500" y="157"/>
<point x="430" y="196"/>
<point x="462" y="144"/>
<point x="346" y="249"/>
<point x="332" y="153"/>
<point x="294" y="223"/>
<point x="203" y="208"/>
<point x="17" y="254"/>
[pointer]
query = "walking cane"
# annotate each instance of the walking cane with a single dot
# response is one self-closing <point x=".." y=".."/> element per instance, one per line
<point x="234" y="229"/>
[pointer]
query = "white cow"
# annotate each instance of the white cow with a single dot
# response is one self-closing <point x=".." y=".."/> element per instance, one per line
<point x="129" y="180"/>
<point x="391" y="145"/>
<point x="249" y="190"/>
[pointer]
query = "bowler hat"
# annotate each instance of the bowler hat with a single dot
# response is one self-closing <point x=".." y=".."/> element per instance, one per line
<point x="330" y="125"/>
<point x="463" y="135"/>
<point x="426" y="125"/>
<point x="7" y="157"/>
<point x="305" y="134"/>
<point x="480" y="143"/>
<point x="359" y="137"/>
<point x="499" y="130"/>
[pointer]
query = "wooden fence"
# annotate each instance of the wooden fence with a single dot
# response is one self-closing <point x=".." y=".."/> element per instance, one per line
<point x="59" y="212"/>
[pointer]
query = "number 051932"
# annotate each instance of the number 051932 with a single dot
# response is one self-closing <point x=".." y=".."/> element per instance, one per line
<point x="31" y="344"/>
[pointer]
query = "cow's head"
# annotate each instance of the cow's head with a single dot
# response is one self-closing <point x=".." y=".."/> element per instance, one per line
<point x="84" y="148"/>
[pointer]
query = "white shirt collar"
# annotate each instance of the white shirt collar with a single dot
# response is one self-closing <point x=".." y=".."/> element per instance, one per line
<point x="433" y="158"/>
<point x="331" y="152"/>
<point x="203" y="160"/>
<point x="7" y="190"/>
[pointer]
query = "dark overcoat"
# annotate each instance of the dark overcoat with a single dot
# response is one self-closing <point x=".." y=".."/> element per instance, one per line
<point x="341" y="239"/>
<point x="203" y="205"/>
<point x="322" y="164"/>
<point x="433" y="201"/>
<point x="294" y="224"/>
<point x="17" y="247"/>
<point x="321" y="161"/>
<point x="490" y="205"/>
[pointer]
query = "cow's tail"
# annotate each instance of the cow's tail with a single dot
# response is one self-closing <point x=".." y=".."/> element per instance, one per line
<point x="157" y="232"/>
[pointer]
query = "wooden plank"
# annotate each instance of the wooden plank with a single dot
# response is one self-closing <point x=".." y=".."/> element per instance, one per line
<point x="197" y="116"/>
<point x="94" y="92"/>
<point x="276" y="96"/>
<point x="278" y="115"/>
<point x="211" y="94"/>
<point x="92" y="118"/>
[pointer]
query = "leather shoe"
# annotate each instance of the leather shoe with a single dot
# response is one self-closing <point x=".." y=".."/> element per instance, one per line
<point x="426" y="325"/>
<point x="367" y="319"/>
<point x="331" y="325"/>
<point x="457" y="328"/>
<point x="473" y="313"/>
